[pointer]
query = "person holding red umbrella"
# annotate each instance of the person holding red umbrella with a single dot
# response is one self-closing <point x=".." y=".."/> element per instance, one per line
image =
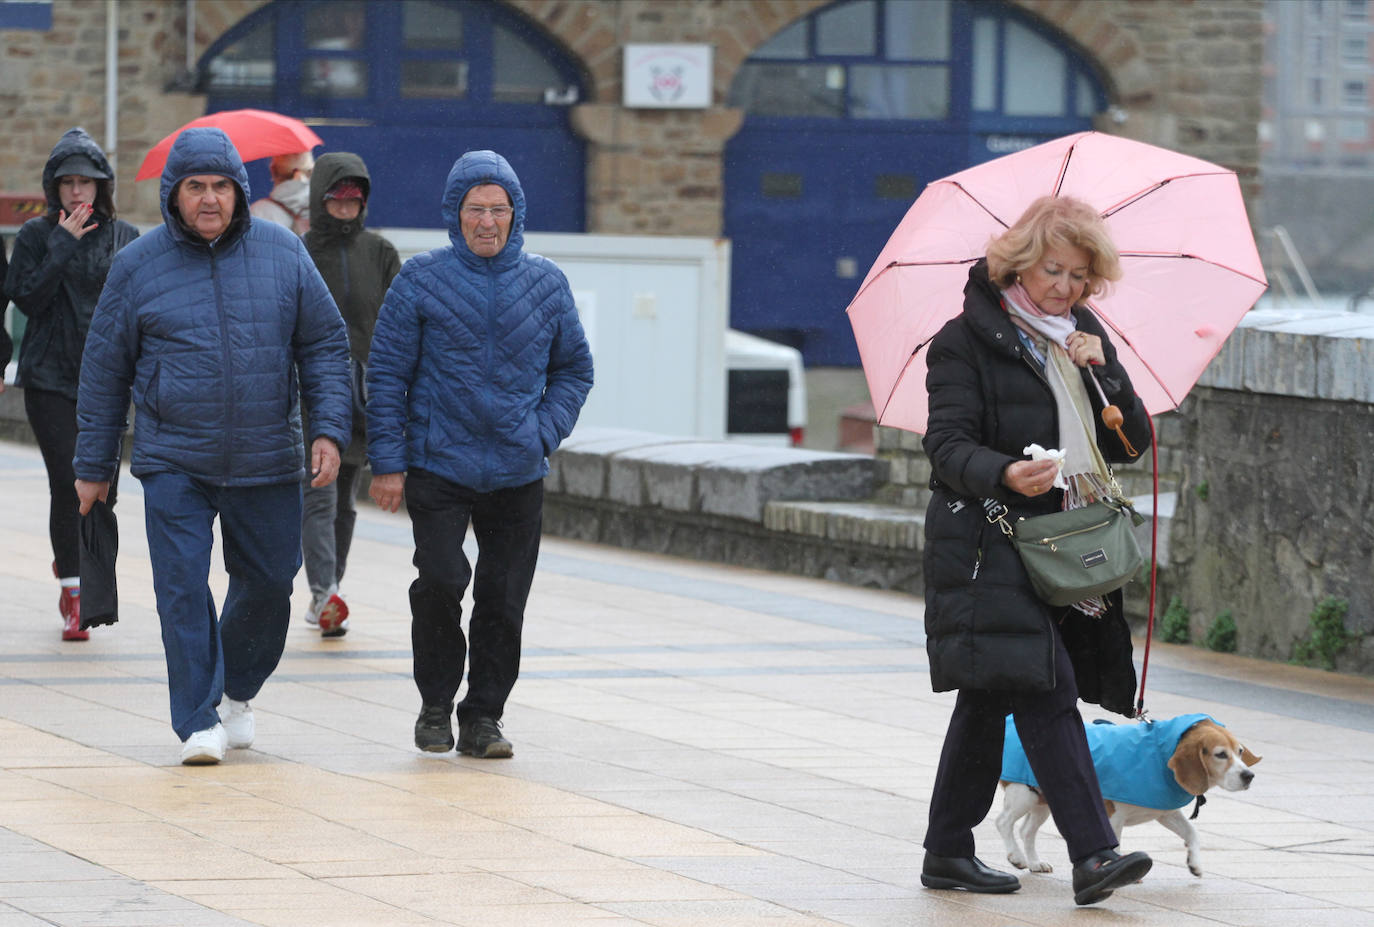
<point x="1012" y="370"/>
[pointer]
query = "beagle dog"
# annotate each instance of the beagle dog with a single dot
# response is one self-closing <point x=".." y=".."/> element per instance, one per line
<point x="1148" y="772"/>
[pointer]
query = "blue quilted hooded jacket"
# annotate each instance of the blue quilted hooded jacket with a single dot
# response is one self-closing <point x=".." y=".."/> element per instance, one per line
<point x="479" y="366"/>
<point x="209" y="338"/>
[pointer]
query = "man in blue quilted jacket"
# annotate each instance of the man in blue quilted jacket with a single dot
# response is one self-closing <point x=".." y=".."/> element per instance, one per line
<point x="215" y="323"/>
<point x="478" y="369"/>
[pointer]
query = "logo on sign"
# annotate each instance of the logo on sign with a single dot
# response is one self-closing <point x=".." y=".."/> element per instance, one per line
<point x="666" y="85"/>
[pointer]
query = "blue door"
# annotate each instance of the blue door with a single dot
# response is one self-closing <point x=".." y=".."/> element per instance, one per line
<point x="409" y="85"/>
<point x="850" y="112"/>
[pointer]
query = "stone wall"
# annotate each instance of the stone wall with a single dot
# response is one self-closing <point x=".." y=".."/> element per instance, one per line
<point x="1185" y="74"/>
<point x="52" y="81"/>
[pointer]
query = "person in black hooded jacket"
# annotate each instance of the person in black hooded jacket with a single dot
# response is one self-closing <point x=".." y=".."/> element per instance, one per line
<point x="1010" y="371"/>
<point x="357" y="266"/>
<point x="55" y="277"/>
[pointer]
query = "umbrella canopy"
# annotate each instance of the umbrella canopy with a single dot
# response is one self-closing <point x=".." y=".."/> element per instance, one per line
<point x="256" y="133"/>
<point x="1191" y="269"/>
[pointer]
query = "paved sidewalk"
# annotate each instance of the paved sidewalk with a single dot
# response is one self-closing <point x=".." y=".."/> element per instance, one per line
<point x="694" y="745"/>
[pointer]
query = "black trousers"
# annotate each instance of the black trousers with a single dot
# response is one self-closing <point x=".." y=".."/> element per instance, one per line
<point x="507" y="525"/>
<point x="53" y="419"/>
<point x="1051" y="730"/>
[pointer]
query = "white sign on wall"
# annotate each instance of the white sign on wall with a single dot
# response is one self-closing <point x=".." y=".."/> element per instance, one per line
<point x="667" y="76"/>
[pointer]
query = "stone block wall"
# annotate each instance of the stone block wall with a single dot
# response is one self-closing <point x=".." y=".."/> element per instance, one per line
<point x="52" y="81"/>
<point x="1184" y="73"/>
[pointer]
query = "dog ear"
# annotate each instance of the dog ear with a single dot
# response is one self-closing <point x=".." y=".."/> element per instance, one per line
<point x="1248" y="758"/>
<point x="1187" y="766"/>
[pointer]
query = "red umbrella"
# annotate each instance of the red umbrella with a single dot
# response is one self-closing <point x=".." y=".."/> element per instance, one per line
<point x="256" y="133"/>
<point x="1187" y="251"/>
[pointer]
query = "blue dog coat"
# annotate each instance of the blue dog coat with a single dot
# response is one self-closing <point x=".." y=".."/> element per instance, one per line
<point x="1132" y="760"/>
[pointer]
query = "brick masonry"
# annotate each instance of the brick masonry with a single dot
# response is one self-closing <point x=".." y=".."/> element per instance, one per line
<point x="1186" y="73"/>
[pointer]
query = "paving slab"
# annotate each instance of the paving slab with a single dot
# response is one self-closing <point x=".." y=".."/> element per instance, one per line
<point x="695" y="744"/>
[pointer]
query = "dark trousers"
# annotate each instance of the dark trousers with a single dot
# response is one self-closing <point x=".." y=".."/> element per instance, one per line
<point x="507" y="524"/>
<point x="1051" y="731"/>
<point x="53" y="419"/>
<point x="234" y="655"/>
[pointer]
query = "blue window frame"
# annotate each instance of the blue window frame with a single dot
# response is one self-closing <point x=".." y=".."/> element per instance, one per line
<point x="416" y="60"/>
<point x="850" y="112"/>
<point x="409" y="85"/>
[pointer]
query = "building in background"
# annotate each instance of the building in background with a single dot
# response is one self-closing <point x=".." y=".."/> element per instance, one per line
<point x="1317" y="143"/>
<point x="818" y="125"/>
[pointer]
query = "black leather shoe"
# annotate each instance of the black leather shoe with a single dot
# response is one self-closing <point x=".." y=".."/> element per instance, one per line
<point x="1100" y="874"/>
<point x="966" y="872"/>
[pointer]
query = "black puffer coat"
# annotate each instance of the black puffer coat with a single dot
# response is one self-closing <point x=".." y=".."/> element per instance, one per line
<point x="357" y="266"/>
<point x="55" y="279"/>
<point x="985" y="626"/>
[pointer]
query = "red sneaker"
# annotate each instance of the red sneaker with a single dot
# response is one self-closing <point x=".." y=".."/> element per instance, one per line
<point x="70" y="608"/>
<point x="334" y="618"/>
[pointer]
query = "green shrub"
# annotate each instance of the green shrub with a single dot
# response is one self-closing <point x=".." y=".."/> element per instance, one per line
<point x="1202" y="490"/>
<point x="1221" y="636"/>
<point x="1174" y="628"/>
<point x="1326" y="635"/>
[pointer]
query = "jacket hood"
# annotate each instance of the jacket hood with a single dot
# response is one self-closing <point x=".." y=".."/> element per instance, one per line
<point x="329" y="170"/>
<point x="472" y="170"/>
<point x="78" y="142"/>
<point x="203" y="150"/>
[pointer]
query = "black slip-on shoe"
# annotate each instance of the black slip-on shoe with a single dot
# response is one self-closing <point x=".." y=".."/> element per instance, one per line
<point x="434" y="729"/>
<point x="1102" y="873"/>
<point x="968" y="873"/>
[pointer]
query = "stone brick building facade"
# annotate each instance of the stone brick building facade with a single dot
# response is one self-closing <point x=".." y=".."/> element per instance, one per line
<point x="1185" y="74"/>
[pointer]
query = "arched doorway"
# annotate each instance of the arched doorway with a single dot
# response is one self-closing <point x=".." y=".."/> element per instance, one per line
<point x="409" y="85"/>
<point x="849" y="113"/>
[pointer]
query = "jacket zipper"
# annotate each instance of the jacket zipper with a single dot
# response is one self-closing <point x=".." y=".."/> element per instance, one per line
<point x="226" y="361"/>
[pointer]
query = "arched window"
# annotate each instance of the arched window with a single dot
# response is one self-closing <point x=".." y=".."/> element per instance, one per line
<point x="410" y="85"/>
<point x="907" y="60"/>
<point x="849" y="113"/>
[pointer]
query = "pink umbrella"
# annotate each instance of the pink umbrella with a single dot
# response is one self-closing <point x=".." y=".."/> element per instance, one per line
<point x="1189" y="257"/>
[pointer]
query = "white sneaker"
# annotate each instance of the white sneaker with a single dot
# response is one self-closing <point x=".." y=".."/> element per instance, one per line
<point x="318" y="601"/>
<point x="237" y="719"/>
<point x="204" y="748"/>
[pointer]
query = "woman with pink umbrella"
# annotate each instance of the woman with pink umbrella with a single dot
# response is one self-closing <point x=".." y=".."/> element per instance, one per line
<point x="1015" y="369"/>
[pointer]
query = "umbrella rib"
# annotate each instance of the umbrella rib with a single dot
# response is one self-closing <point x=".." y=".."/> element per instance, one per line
<point x="973" y="199"/>
<point x="1105" y="320"/>
<point x="1180" y="256"/>
<point x="1136" y="197"/>
<point x="901" y="376"/>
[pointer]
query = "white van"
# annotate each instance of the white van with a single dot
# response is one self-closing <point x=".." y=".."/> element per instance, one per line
<point x="765" y="391"/>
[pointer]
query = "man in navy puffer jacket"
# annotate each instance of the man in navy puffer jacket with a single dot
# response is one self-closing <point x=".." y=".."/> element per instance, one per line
<point x="207" y="322"/>
<point x="478" y="369"/>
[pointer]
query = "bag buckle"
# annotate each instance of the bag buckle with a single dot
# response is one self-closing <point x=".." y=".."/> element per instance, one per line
<point x="997" y="515"/>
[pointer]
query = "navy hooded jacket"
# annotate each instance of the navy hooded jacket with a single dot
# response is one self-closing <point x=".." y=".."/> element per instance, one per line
<point x="209" y="337"/>
<point x="479" y="366"/>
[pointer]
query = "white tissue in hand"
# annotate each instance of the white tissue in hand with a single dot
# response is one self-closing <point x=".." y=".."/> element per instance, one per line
<point x="1037" y="452"/>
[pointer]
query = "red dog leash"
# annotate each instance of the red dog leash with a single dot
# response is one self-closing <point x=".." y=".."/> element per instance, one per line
<point x="1154" y="571"/>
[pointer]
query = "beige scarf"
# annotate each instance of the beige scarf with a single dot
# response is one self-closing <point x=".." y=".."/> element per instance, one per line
<point x="1084" y="468"/>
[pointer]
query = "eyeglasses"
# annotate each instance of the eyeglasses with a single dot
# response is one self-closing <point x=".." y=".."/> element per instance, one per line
<point x="496" y="212"/>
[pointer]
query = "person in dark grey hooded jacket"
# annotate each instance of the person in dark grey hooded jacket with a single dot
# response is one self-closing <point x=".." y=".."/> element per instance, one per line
<point x="357" y="266"/>
<point x="55" y="277"/>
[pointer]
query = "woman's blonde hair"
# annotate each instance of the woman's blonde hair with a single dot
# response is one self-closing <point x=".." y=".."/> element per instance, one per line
<point x="1048" y="222"/>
